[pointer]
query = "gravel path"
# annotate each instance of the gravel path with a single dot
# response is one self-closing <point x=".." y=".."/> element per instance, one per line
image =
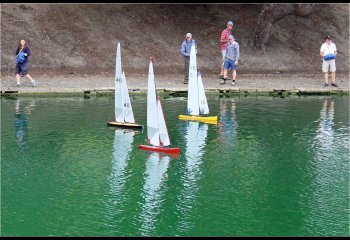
<point x="244" y="83"/>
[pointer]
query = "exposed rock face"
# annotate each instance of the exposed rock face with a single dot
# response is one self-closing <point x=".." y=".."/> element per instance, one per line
<point x="272" y="12"/>
<point x="82" y="38"/>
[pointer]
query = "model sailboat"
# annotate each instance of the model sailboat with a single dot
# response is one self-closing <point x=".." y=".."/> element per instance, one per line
<point x="124" y="116"/>
<point x="197" y="104"/>
<point x="157" y="132"/>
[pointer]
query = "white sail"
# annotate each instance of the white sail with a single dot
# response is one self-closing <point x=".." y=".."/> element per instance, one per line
<point x="152" y="115"/>
<point x="118" y="92"/>
<point x="123" y="109"/>
<point x="163" y="131"/>
<point x="192" y="100"/>
<point x="127" y="109"/>
<point x="202" y="99"/>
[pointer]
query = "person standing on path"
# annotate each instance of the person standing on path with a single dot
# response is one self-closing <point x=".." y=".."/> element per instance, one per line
<point x="186" y="51"/>
<point x="231" y="59"/>
<point x="328" y="53"/>
<point x="22" y="67"/>
<point x="223" y="42"/>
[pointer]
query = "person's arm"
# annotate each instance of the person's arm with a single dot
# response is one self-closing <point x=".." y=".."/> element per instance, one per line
<point x="237" y="55"/>
<point x="335" y="50"/>
<point x="224" y="37"/>
<point x="26" y="51"/>
<point x="17" y="51"/>
<point x="321" y="51"/>
<point x="227" y="49"/>
<point x="183" y="50"/>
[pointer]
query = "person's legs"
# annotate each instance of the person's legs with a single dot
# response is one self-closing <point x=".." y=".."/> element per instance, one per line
<point x="224" y="78"/>
<point x="24" y="70"/>
<point x="222" y="70"/>
<point x="333" y="80"/>
<point x="325" y="67"/>
<point x="326" y="78"/>
<point x="223" y="54"/>
<point x="225" y="73"/>
<point x="226" y="67"/>
<point x="31" y="79"/>
<point x="234" y="73"/>
<point x="234" y="76"/>
<point x="332" y="70"/>
<point x="17" y="72"/>
<point x="17" y="80"/>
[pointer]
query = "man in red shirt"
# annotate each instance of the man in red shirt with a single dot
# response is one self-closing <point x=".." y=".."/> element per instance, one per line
<point x="223" y="41"/>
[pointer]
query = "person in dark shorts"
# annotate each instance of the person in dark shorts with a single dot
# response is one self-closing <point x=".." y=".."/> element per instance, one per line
<point x="22" y="68"/>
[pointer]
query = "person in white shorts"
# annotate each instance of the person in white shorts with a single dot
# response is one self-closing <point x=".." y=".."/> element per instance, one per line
<point x="328" y="53"/>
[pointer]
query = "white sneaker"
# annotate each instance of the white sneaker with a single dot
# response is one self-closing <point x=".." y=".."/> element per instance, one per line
<point x="18" y="84"/>
<point x="33" y="83"/>
<point x="233" y="83"/>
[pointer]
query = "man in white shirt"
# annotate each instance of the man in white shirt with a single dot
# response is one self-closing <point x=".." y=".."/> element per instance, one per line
<point x="328" y="53"/>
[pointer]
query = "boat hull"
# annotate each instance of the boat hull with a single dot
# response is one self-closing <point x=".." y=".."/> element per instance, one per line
<point x="125" y="125"/>
<point x="160" y="149"/>
<point x="210" y="119"/>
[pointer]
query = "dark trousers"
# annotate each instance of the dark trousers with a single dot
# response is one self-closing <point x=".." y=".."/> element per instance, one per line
<point x="187" y="64"/>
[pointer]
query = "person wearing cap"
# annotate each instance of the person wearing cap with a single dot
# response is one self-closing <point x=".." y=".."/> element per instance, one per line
<point x="231" y="59"/>
<point x="328" y="53"/>
<point x="223" y="42"/>
<point x="186" y="51"/>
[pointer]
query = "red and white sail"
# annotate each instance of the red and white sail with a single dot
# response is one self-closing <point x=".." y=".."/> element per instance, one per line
<point x="157" y="132"/>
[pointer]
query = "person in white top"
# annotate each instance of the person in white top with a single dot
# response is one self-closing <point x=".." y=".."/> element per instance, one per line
<point x="328" y="53"/>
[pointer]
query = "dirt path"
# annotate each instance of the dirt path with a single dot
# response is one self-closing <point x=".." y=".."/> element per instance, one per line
<point x="244" y="83"/>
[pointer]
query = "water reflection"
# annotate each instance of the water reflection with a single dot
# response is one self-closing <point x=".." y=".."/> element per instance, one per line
<point x="21" y="122"/>
<point x="156" y="168"/>
<point x="325" y="132"/>
<point x="195" y="144"/>
<point x="330" y="185"/>
<point x="122" y="147"/>
<point x="228" y="121"/>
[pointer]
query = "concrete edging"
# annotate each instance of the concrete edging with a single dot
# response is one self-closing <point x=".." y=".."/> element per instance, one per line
<point x="219" y="91"/>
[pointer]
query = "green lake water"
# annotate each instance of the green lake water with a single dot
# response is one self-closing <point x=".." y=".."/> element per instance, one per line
<point x="271" y="167"/>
